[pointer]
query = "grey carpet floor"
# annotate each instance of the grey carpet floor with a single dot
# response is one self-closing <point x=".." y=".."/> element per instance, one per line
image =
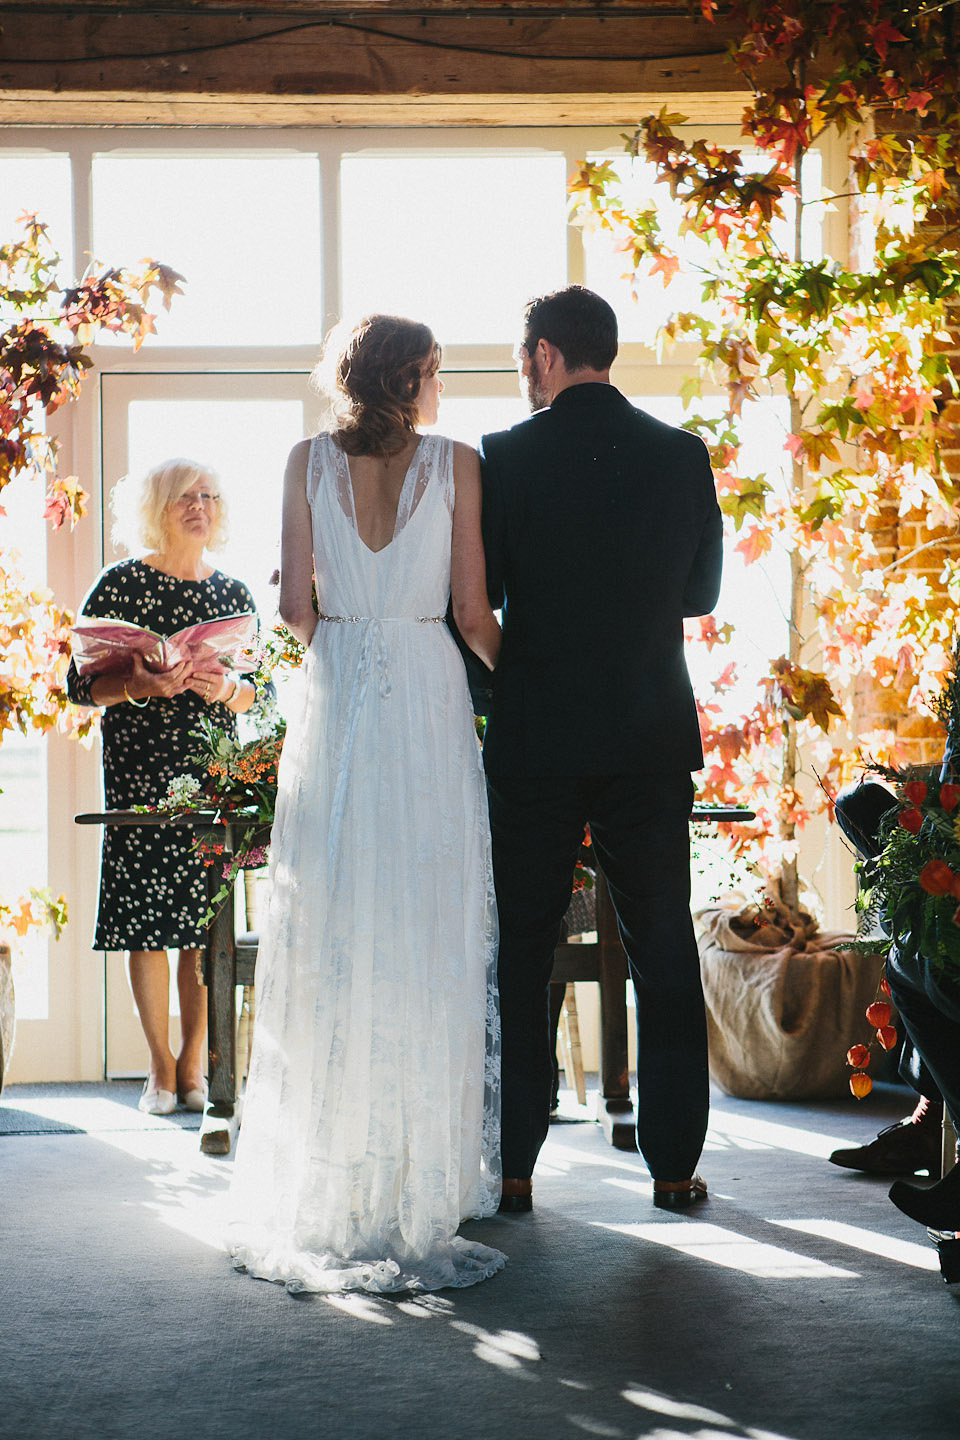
<point x="797" y="1303"/>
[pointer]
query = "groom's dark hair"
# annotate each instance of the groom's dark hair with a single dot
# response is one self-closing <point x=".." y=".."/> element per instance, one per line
<point x="579" y="323"/>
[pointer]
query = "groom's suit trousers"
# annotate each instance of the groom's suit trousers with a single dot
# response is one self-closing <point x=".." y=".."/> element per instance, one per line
<point x="639" y="826"/>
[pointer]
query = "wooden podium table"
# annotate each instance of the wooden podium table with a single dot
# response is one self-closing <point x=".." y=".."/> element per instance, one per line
<point x="230" y="960"/>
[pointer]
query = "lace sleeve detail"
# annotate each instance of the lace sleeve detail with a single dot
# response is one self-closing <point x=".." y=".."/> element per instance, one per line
<point x="445" y="468"/>
<point x="313" y="468"/>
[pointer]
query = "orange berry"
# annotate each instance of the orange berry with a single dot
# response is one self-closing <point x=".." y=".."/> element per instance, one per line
<point x="879" y="1013"/>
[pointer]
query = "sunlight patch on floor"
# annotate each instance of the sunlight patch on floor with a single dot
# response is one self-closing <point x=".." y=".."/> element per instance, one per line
<point x="505" y="1349"/>
<point x="888" y="1247"/>
<point x="184" y="1188"/>
<point x="747" y="1132"/>
<point x="676" y="1409"/>
<point x="359" y="1307"/>
<point x="660" y="1404"/>
<point x="92" y="1114"/>
<point x="557" y="1153"/>
<point x="702" y="1241"/>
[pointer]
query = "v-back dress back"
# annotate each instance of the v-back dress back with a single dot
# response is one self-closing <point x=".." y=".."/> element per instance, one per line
<point x="371" y="1120"/>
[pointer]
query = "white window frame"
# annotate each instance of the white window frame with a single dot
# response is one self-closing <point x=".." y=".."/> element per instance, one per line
<point x="70" y="1044"/>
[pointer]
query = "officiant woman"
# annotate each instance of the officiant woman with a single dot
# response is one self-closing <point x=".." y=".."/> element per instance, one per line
<point x="152" y="884"/>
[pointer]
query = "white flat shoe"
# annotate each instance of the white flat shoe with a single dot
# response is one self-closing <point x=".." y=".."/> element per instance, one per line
<point x="195" y="1100"/>
<point x="157" y="1102"/>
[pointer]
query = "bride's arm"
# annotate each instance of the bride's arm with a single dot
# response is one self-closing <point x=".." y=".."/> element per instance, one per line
<point x="296" y="549"/>
<point x="468" y="581"/>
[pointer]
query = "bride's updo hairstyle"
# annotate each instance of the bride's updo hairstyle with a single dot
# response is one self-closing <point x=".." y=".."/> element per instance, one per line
<point x="372" y="377"/>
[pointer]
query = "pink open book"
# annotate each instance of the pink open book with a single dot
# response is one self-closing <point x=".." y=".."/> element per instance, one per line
<point x="104" y="647"/>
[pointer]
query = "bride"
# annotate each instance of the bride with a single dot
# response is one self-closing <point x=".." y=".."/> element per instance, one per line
<point x="371" y="1120"/>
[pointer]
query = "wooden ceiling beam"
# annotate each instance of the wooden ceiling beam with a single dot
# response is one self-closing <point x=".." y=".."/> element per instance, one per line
<point x="367" y="64"/>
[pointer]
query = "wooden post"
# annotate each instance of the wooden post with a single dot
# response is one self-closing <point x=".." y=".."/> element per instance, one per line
<point x="219" y="1127"/>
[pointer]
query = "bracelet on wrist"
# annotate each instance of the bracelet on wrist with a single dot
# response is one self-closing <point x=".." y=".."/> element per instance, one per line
<point x="139" y="704"/>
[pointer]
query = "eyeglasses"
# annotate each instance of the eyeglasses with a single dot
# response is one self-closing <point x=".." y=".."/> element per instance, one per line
<point x="202" y="497"/>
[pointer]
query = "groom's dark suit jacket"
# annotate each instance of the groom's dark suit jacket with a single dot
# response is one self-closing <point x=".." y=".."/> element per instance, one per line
<point x="602" y="531"/>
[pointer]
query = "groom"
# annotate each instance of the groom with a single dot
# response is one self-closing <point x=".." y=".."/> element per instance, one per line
<point x="602" y="531"/>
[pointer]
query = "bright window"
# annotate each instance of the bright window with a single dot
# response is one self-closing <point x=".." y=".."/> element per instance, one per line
<point x="244" y="229"/>
<point x="459" y="241"/>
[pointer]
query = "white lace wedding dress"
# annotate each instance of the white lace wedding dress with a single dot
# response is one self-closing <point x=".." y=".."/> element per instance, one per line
<point x="371" y="1121"/>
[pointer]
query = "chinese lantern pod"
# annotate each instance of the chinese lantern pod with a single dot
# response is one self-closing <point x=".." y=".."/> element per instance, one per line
<point x="879" y="1013"/>
<point x="887" y="1035"/>
<point x="885" y="986"/>
<point x="860" y="1085"/>
<point x="858" y="1056"/>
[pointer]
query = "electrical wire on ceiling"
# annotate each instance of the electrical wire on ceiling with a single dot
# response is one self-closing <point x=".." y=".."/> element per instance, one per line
<point x="423" y="41"/>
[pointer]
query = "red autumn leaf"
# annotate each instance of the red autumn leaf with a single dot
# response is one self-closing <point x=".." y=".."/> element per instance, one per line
<point x="937" y="878"/>
<point x="727" y="677"/>
<point x="919" y="100"/>
<point x="56" y="510"/>
<point x="910" y="820"/>
<point x="860" y="1084"/>
<point x="878" y="1013"/>
<point x="887" y="1035"/>
<point x="883" y="35"/>
<point x="858" y="1056"/>
<point x="916" y="792"/>
<point x="950" y="797"/>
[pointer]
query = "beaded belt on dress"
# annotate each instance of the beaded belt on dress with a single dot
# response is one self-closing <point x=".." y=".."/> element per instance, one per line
<point x="392" y="619"/>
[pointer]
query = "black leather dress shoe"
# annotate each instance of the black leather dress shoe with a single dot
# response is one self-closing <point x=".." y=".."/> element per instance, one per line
<point x="935" y="1205"/>
<point x="679" y="1194"/>
<point x="903" y="1149"/>
<point x="516" y="1197"/>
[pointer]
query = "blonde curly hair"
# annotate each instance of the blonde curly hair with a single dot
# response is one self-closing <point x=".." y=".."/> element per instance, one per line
<point x="140" y="502"/>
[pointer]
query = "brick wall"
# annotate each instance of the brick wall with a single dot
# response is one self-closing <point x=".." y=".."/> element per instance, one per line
<point x="921" y="551"/>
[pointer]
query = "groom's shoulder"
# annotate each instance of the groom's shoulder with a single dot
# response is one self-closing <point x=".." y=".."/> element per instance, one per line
<point x="515" y="437"/>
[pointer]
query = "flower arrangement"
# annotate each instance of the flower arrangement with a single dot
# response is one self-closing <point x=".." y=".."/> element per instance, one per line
<point x="239" y="782"/>
<point x="912" y="887"/>
<point x="914" y="883"/>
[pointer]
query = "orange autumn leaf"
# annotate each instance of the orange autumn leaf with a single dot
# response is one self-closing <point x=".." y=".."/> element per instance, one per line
<point x="755" y="544"/>
<point x="665" y="265"/>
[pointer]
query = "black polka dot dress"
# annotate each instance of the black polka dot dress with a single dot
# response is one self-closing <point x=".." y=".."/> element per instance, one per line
<point x="152" y="884"/>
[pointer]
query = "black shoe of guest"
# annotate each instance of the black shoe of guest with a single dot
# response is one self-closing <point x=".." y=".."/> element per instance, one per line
<point x="516" y="1197"/>
<point x="902" y="1149"/>
<point x="937" y="1206"/>
<point x="679" y="1194"/>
